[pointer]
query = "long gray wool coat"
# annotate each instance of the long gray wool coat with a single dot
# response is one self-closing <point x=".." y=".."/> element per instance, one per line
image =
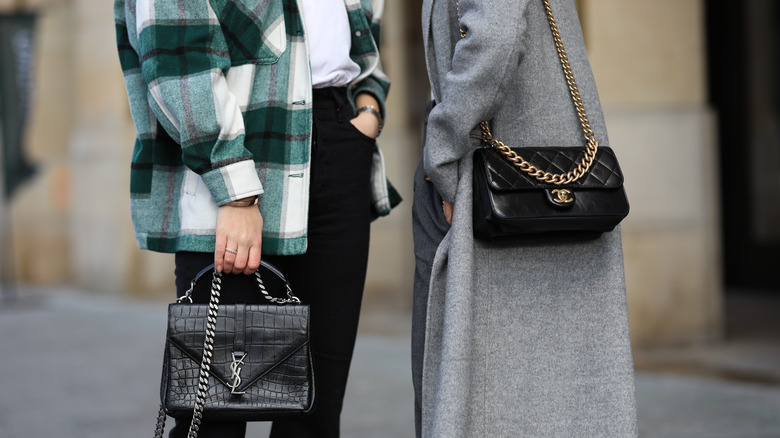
<point x="511" y="341"/>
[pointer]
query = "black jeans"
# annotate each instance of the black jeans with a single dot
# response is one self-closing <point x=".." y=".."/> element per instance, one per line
<point x="329" y="277"/>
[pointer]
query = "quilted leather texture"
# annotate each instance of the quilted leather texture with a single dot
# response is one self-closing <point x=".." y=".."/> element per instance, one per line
<point x="503" y="175"/>
<point x="276" y="373"/>
<point x="508" y="202"/>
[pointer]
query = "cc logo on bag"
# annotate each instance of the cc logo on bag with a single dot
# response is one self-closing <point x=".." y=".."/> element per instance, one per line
<point x="562" y="196"/>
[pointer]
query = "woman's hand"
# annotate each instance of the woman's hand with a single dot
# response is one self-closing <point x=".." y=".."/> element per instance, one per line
<point x="447" y="209"/>
<point x="366" y="123"/>
<point x="239" y="239"/>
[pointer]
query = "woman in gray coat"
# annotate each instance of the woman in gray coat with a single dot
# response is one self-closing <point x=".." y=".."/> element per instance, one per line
<point x="511" y="340"/>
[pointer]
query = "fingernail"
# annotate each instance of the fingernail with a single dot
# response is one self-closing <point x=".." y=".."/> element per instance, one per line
<point x="219" y="268"/>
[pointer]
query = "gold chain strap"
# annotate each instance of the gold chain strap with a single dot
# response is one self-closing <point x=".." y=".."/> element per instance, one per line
<point x="593" y="144"/>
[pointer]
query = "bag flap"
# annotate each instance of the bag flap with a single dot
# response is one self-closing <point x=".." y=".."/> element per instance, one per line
<point x="502" y="175"/>
<point x="273" y="333"/>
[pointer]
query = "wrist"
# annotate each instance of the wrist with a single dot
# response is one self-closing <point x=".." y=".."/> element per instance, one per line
<point x="243" y="202"/>
<point x="373" y="112"/>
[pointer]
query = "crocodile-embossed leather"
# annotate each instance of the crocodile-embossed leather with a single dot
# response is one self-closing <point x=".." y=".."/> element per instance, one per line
<point x="510" y="204"/>
<point x="276" y="373"/>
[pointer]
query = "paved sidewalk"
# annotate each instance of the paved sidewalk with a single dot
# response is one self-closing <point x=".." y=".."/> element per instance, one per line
<point x="74" y="365"/>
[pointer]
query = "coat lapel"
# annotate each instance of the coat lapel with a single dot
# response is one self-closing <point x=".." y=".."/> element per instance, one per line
<point x="427" y="11"/>
<point x="427" y="17"/>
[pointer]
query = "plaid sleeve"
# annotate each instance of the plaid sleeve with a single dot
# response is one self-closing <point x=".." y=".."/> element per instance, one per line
<point x="365" y="49"/>
<point x="184" y="56"/>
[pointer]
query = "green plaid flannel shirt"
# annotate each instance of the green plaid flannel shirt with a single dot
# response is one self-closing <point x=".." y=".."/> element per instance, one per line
<point x="220" y="94"/>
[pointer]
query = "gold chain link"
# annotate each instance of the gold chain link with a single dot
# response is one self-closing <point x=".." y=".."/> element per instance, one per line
<point x="593" y="144"/>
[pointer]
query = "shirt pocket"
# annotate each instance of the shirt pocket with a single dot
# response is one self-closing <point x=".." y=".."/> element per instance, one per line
<point x="255" y="31"/>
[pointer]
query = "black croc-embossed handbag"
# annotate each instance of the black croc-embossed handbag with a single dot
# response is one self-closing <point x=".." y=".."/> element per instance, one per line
<point x="241" y="362"/>
<point x="568" y="193"/>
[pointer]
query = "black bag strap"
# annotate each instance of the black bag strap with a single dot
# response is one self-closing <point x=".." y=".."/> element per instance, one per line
<point x="291" y="299"/>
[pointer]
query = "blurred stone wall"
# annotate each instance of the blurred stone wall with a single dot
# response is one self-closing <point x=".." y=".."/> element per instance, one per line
<point x="41" y="208"/>
<point x="72" y="223"/>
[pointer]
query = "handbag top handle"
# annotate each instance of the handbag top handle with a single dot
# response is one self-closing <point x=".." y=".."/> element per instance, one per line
<point x="273" y="269"/>
<point x="593" y="144"/>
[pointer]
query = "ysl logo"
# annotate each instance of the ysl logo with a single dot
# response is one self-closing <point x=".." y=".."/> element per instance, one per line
<point x="562" y="196"/>
<point x="235" y="369"/>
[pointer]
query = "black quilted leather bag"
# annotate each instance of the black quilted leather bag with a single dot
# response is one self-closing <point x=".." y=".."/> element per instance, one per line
<point x="241" y="362"/>
<point x="568" y="193"/>
<point x="509" y="204"/>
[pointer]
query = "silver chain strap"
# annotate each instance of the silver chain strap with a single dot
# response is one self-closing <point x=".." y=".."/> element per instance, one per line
<point x="291" y="299"/>
<point x="208" y="352"/>
<point x="205" y="364"/>
<point x="159" y="428"/>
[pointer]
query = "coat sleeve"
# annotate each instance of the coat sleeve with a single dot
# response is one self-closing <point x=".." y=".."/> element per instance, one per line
<point x="184" y="57"/>
<point x="365" y="51"/>
<point x="483" y="64"/>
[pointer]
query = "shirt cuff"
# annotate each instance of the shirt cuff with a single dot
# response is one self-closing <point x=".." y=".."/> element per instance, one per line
<point x="233" y="181"/>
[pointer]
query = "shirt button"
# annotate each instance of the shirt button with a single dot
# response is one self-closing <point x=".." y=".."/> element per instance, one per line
<point x="358" y="33"/>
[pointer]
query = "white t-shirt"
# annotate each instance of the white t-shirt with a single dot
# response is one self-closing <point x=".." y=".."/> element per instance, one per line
<point x="329" y="38"/>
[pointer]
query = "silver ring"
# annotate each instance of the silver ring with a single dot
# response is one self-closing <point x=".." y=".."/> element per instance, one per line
<point x="232" y="251"/>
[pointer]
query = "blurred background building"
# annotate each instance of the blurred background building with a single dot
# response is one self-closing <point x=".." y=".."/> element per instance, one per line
<point x="692" y="110"/>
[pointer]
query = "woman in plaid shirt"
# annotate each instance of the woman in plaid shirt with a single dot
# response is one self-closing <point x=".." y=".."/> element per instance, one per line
<point x="256" y="124"/>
